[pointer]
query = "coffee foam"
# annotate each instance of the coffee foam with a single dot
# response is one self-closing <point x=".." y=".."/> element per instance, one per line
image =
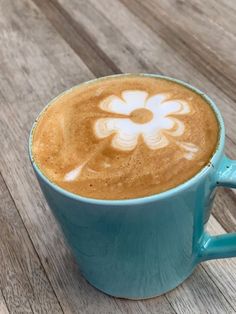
<point x="125" y="137"/>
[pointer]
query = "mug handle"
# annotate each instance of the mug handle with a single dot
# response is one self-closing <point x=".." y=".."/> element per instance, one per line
<point x="220" y="246"/>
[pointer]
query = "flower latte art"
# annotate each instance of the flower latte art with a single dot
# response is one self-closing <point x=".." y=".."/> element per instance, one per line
<point x="160" y="120"/>
<point x="126" y="136"/>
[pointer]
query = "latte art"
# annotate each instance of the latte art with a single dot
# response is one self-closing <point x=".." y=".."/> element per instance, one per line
<point x="125" y="137"/>
<point x="158" y="119"/>
<point x="152" y="118"/>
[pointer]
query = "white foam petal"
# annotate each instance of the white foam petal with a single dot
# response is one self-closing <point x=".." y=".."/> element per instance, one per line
<point x="189" y="156"/>
<point x="126" y="132"/>
<point x="190" y="149"/>
<point x="135" y="98"/>
<point x="173" y="107"/>
<point x="73" y="174"/>
<point x="115" y="105"/>
<point x="154" y="101"/>
<point x="178" y="128"/>
<point x="189" y="146"/>
<point x="164" y="123"/>
<point x="125" y="141"/>
<point x="104" y="127"/>
<point x="154" y="139"/>
<point x="184" y="106"/>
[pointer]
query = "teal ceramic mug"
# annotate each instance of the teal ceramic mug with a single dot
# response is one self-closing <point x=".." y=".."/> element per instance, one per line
<point x="143" y="247"/>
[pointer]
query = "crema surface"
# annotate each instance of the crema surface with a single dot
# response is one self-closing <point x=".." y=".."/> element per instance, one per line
<point x="125" y="137"/>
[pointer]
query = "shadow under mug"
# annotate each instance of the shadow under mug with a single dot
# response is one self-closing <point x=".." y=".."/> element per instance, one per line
<point x="144" y="247"/>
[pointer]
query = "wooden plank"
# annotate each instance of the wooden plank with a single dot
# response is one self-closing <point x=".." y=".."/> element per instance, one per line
<point x="199" y="294"/>
<point x="106" y="36"/>
<point x="229" y="4"/>
<point x="221" y="13"/>
<point x="222" y="272"/>
<point x="225" y="209"/>
<point x="79" y="41"/>
<point x="3" y="306"/>
<point x="24" y="283"/>
<point x="204" y="36"/>
<point x="30" y="78"/>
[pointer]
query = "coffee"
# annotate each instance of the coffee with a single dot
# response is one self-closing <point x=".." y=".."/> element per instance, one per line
<point x="125" y="137"/>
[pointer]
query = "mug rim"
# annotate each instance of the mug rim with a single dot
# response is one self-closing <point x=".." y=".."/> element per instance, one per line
<point x="149" y="198"/>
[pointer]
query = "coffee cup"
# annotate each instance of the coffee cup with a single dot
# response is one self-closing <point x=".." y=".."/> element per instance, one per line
<point x="142" y="247"/>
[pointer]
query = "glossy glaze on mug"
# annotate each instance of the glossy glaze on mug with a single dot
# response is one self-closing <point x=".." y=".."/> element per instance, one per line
<point x="143" y="247"/>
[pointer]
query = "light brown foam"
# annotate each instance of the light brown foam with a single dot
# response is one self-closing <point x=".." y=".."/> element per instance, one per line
<point x="85" y="143"/>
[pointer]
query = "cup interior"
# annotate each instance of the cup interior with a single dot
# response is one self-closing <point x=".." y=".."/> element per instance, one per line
<point x="214" y="159"/>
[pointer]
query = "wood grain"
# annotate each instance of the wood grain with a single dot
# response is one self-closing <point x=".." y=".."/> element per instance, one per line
<point x="73" y="33"/>
<point x="48" y="46"/>
<point x="24" y="285"/>
<point x="222" y="271"/>
<point x="225" y="209"/>
<point x="203" y="35"/>
<point x="3" y="306"/>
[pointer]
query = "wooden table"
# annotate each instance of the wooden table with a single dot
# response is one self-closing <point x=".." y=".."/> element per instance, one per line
<point x="47" y="46"/>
